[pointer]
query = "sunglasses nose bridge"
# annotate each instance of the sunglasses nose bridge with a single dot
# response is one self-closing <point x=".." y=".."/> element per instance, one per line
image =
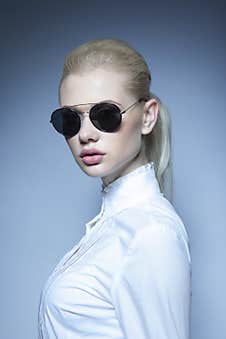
<point x="83" y="115"/>
<point x="86" y="126"/>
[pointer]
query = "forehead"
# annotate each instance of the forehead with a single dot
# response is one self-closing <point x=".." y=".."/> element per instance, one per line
<point x="96" y="86"/>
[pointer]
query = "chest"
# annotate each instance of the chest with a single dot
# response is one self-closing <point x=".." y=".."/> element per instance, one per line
<point x="85" y="285"/>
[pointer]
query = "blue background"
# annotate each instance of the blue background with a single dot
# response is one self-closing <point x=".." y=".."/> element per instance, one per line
<point x="46" y="199"/>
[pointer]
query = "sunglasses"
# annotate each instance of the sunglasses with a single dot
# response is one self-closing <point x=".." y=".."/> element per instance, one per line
<point x="105" y="116"/>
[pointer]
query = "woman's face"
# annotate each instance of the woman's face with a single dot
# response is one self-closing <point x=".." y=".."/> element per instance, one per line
<point x="123" y="150"/>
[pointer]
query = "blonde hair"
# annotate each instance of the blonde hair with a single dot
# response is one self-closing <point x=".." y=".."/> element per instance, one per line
<point x="119" y="55"/>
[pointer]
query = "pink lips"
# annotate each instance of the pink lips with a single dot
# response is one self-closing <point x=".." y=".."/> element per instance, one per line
<point x="91" y="156"/>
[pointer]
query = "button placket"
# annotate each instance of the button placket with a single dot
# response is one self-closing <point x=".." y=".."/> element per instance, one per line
<point x="85" y="246"/>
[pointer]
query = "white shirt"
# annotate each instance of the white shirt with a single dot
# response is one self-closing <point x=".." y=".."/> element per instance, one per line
<point x="131" y="276"/>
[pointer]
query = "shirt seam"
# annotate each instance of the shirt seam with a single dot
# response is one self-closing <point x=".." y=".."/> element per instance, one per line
<point x="135" y="204"/>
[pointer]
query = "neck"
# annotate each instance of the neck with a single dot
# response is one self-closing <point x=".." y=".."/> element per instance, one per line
<point x="124" y="169"/>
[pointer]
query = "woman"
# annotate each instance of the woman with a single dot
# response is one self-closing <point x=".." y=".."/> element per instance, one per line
<point x="130" y="274"/>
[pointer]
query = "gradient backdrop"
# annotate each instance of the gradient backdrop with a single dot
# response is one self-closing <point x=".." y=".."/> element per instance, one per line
<point x="46" y="199"/>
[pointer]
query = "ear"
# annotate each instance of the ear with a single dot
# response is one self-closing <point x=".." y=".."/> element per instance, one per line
<point x="150" y="115"/>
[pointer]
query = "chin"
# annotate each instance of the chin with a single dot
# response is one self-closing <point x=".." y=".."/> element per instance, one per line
<point x="93" y="170"/>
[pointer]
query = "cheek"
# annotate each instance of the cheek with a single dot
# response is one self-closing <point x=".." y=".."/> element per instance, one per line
<point x="129" y="136"/>
<point x="73" y="145"/>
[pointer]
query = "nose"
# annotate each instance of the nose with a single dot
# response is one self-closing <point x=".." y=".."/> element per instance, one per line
<point x="87" y="130"/>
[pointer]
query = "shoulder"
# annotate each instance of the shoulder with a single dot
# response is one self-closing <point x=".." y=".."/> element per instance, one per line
<point x="158" y="256"/>
<point x="157" y="260"/>
<point x="147" y="224"/>
<point x="159" y="242"/>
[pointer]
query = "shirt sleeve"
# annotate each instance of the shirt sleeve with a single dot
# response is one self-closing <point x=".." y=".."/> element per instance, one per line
<point x="151" y="292"/>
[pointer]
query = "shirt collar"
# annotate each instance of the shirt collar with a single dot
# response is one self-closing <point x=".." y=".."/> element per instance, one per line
<point x="128" y="190"/>
<point x="137" y="185"/>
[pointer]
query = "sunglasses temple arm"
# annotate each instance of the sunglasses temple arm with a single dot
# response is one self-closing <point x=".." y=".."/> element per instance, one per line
<point x="140" y="100"/>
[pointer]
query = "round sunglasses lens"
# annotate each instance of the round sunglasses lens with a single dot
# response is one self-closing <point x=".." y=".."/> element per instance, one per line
<point x="106" y="117"/>
<point x="66" y="122"/>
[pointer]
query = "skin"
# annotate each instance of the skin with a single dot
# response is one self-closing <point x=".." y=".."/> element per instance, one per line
<point x="124" y="148"/>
